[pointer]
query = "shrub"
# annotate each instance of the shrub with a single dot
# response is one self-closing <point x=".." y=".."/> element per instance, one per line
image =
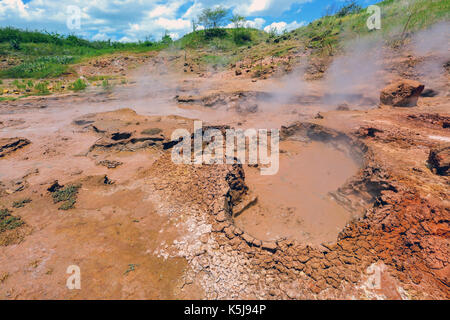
<point x="41" y="87"/>
<point x="21" y="203"/>
<point x="106" y="85"/>
<point x="215" y="33"/>
<point x="8" y="221"/>
<point x="349" y="8"/>
<point x="15" y="44"/>
<point x="67" y="195"/>
<point x="241" y="36"/>
<point x="42" y="67"/>
<point x="78" y="85"/>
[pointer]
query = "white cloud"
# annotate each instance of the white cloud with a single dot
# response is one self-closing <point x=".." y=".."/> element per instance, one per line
<point x="128" y="20"/>
<point x="256" y="23"/>
<point x="263" y="7"/>
<point x="13" y="6"/>
<point x="127" y="39"/>
<point x="279" y="27"/>
<point x="168" y="10"/>
<point x="193" y="11"/>
<point x="173" y="24"/>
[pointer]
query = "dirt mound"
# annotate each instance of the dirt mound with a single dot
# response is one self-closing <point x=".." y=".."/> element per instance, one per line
<point x="240" y="101"/>
<point x="124" y="130"/>
<point x="431" y="119"/>
<point x="403" y="93"/>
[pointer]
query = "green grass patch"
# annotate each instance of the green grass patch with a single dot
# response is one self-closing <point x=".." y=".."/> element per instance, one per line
<point x="8" y="99"/>
<point x="106" y="85"/>
<point x="42" y="67"/>
<point x="224" y="39"/>
<point x="216" y="60"/>
<point x="21" y="203"/>
<point x="100" y="77"/>
<point x="42" y="88"/>
<point x="78" y="85"/>
<point x="48" y="55"/>
<point x="398" y="18"/>
<point x="8" y="221"/>
<point x="67" y="195"/>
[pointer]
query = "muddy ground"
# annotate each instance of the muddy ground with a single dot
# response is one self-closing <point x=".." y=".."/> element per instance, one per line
<point x="356" y="210"/>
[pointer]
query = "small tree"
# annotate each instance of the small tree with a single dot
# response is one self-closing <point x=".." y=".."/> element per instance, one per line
<point x="213" y="18"/>
<point x="166" y="39"/>
<point x="349" y="7"/>
<point x="194" y="25"/>
<point x="238" y="21"/>
<point x="15" y="44"/>
<point x="272" y="32"/>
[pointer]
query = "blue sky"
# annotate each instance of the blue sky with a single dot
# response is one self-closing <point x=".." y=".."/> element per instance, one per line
<point x="131" y="20"/>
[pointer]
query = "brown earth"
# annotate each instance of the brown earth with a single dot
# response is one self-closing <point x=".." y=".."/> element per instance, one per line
<point x="143" y="227"/>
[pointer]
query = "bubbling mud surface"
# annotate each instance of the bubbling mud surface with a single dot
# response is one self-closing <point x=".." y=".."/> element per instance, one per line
<point x="295" y="203"/>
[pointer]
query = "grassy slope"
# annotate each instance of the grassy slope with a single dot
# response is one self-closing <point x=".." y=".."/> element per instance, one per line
<point x="33" y="54"/>
<point x="398" y="18"/>
<point x="41" y="55"/>
<point x="324" y="36"/>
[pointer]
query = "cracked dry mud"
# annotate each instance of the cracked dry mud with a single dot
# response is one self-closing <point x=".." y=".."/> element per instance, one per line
<point x="224" y="231"/>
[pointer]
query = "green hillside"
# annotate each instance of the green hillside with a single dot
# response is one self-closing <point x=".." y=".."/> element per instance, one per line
<point x="41" y="55"/>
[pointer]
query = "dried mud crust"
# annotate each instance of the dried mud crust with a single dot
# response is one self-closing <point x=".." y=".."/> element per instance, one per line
<point x="399" y="226"/>
<point x="125" y="130"/>
<point x="9" y="145"/>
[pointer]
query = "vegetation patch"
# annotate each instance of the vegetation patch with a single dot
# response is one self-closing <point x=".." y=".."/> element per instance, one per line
<point x="8" y="221"/>
<point x="21" y="203"/>
<point x="131" y="267"/>
<point x="78" y="85"/>
<point x="48" y="55"/>
<point x="42" y="88"/>
<point x="67" y="195"/>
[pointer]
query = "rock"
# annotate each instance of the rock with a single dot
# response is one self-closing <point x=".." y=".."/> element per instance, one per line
<point x="343" y="107"/>
<point x="248" y="201"/>
<point x="247" y="238"/>
<point x="221" y="217"/>
<point x="110" y="164"/>
<point x="238" y="72"/>
<point x="9" y="145"/>
<point x="367" y="131"/>
<point x="318" y="116"/>
<point x="403" y="93"/>
<point x="107" y="180"/>
<point x="439" y="160"/>
<point x="257" y="243"/>
<point x="268" y="245"/>
<point x="55" y="186"/>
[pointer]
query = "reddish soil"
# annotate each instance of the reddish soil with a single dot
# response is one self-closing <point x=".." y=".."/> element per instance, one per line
<point x="142" y="227"/>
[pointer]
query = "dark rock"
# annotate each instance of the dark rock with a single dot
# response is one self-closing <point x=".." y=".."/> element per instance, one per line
<point x="439" y="160"/>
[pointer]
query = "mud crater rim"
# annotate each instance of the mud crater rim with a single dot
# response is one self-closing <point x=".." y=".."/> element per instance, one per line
<point x="354" y="148"/>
